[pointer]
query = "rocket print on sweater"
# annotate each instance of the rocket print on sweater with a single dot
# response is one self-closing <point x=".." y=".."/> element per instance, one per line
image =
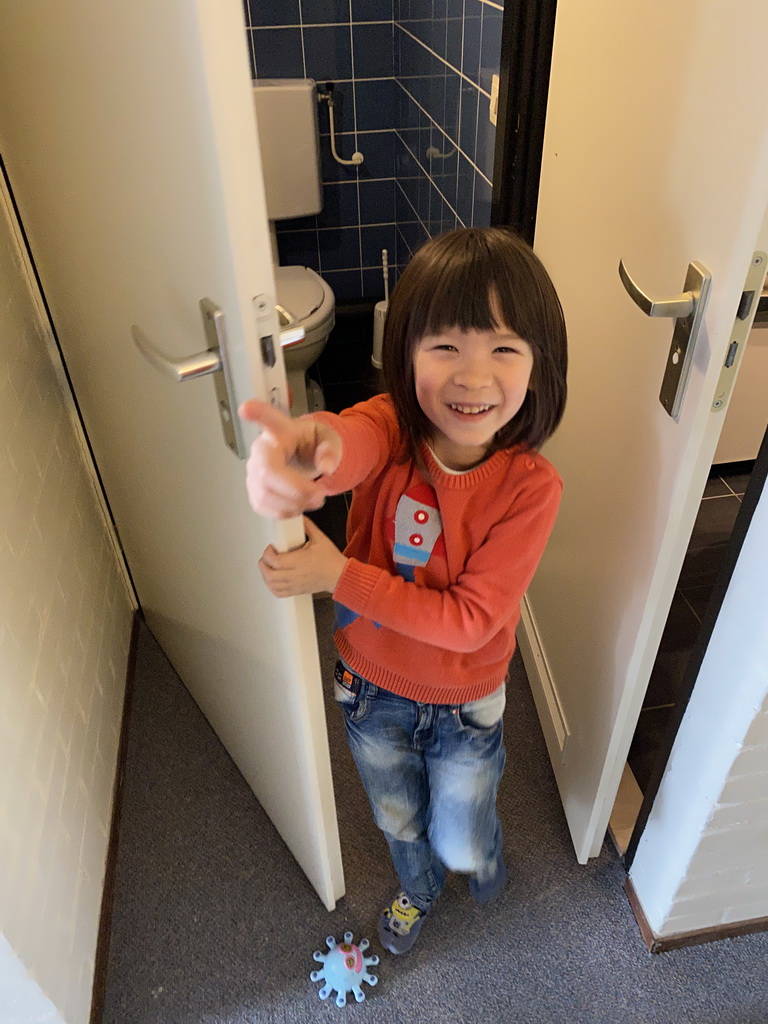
<point x="418" y="529"/>
<point x="416" y="534"/>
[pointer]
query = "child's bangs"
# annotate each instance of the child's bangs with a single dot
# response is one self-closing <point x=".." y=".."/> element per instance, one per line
<point x="467" y="292"/>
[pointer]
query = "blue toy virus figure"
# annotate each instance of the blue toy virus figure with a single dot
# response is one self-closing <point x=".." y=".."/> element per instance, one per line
<point x="344" y="968"/>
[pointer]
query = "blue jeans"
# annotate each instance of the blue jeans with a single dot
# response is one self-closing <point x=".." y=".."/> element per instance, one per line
<point x="431" y="772"/>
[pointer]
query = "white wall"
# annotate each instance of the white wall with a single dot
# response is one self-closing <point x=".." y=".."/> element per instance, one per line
<point x="65" y="620"/>
<point x="703" y="858"/>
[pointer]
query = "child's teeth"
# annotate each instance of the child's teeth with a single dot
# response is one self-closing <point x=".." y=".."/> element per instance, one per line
<point x="470" y="408"/>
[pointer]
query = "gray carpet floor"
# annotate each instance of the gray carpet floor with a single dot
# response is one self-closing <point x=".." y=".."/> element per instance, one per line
<point x="215" y="924"/>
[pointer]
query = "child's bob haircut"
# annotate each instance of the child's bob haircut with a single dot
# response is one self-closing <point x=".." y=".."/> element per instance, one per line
<point x="486" y="279"/>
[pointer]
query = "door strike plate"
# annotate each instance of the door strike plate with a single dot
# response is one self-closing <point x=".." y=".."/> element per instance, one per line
<point x="742" y="325"/>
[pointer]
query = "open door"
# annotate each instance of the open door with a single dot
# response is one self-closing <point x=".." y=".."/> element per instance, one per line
<point x="129" y="137"/>
<point x="655" y="153"/>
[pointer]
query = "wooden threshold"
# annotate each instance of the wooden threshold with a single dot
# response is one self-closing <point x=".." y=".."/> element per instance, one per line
<point x="626" y="808"/>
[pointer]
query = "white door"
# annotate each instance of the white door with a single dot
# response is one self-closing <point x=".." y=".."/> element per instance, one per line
<point x="129" y="136"/>
<point x="655" y="153"/>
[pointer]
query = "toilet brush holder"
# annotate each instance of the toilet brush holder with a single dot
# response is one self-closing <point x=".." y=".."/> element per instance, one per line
<point x="379" y="316"/>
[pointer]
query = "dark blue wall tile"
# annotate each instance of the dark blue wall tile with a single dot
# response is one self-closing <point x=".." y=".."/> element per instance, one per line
<point x="323" y="11"/>
<point x="436" y="37"/>
<point x="470" y="63"/>
<point x="441" y="216"/>
<point x="298" y="248"/>
<point x="328" y="52"/>
<point x="373" y="283"/>
<point x="465" y="190"/>
<point x="339" y="248"/>
<point x="490" y="48"/>
<point x="434" y="184"/>
<point x="373" y="51"/>
<point x="434" y="100"/>
<point x="340" y="207"/>
<point x="449" y="122"/>
<point x="411" y="235"/>
<point x="374" y="239"/>
<point x="278" y="52"/>
<point x="377" y="202"/>
<point x="403" y="104"/>
<point x="410" y="70"/>
<point x="372" y="10"/>
<point x="481" y="214"/>
<point x="468" y="120"/>
<point x="274" y="12"/>
<point x="404" y="212"/>
<point x="346" y="284"/>
<point x="378" y="148"/>
<point x="416" y="17"/>
<point x="343" y="108"/>
<point x="375" y="104"/>
<point x="454" y="32"/>
<point x="443" y="165"/>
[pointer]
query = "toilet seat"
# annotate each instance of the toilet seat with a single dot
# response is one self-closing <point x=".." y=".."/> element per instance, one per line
<point x="306" y="296"/>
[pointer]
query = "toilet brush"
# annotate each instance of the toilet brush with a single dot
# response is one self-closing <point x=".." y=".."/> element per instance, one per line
<point x="380" y="314"/>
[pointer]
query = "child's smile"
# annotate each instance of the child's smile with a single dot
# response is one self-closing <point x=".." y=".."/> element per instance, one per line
<point x="470" y="384"/>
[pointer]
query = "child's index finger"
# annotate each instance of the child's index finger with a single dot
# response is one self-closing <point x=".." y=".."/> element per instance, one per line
<point x="273" y="420"/>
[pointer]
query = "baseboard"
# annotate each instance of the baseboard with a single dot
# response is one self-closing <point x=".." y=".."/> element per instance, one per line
<point x="548" y="706"/>
<point x="662" y="944"/>
<point x="107" y="899"/>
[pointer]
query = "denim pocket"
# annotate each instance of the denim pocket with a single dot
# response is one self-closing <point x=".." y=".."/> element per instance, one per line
<point x="351" y="691"/>
<point x="485" y="714"/>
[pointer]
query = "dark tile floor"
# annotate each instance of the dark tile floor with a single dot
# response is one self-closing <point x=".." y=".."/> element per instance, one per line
<point x="346" y="375"/>
<point x="717" y="513"/>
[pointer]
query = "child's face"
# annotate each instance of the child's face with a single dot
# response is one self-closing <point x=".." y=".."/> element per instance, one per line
<point x="470" y="384"/>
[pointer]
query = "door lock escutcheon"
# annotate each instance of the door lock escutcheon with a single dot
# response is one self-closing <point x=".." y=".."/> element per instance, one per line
<point x="213" y="360"/>
<point x="687" y="310"/>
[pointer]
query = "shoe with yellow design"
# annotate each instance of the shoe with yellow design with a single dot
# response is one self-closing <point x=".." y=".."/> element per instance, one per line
<point x="400" y="924"/>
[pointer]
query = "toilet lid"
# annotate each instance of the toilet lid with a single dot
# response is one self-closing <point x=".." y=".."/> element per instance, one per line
<point x="299" y="291"/>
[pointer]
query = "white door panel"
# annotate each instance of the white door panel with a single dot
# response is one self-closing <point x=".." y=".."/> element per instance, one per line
<point x="655" y="153"/>
<point x="129" y="137"/>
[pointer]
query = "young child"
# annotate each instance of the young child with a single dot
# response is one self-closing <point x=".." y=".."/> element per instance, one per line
<point x="451" y="509"/>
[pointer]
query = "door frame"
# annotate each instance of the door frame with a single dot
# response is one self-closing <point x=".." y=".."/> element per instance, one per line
<point x="527" y="37"/>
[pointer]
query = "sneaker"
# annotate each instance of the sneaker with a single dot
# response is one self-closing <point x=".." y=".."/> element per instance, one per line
<point x="485" y="892"/>
<point x="400" y="924"/>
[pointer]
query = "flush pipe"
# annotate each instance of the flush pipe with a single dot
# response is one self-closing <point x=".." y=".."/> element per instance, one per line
<point x="357" y="157"/>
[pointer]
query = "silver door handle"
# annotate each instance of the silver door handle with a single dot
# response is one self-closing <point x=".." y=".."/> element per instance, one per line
<point x="687" y="310"/>
<point x="199" y="365"/>
<point x="212" y="361"/>
<point x="678" y="305"/>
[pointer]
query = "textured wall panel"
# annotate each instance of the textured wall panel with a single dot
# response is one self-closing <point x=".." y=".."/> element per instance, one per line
<point x="65" y="619"/>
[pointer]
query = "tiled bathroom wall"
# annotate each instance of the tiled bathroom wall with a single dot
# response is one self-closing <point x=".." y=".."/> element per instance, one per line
<point x="412" y="93"/>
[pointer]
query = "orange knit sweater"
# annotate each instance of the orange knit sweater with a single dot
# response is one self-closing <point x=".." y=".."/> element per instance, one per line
<point x="430" y="597"/>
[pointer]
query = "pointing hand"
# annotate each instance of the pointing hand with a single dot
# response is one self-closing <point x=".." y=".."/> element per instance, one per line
<point x="288" y="462"/>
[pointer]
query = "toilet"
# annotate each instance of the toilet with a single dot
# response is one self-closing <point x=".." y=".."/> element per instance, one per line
<point x="286" y="111"/>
